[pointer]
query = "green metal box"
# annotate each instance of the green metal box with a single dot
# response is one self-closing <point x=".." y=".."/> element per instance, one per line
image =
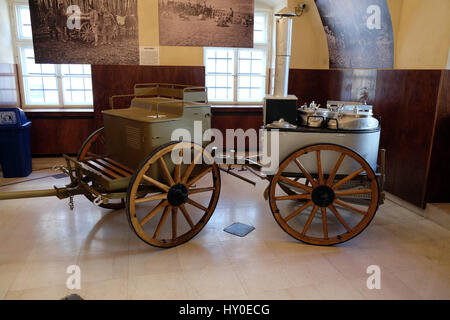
<point x="132" y="134"/>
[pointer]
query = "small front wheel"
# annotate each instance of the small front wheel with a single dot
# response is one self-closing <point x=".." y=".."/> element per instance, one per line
<point x="180" y="188"/>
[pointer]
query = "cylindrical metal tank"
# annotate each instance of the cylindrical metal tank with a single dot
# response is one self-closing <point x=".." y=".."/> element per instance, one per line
<point x="365" y="143"/>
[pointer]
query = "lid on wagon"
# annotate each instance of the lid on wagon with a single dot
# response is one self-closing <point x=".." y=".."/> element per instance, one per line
<point x="281" y="124"/>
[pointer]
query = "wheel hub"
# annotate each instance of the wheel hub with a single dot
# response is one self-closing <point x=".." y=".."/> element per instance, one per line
<point x="177" y="195"/>
<point x="323" y="196"/>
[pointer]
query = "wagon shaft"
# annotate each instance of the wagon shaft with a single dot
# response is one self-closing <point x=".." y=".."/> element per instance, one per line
<point x="60" y="193"/>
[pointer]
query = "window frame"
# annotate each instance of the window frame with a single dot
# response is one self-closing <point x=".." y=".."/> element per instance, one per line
<point x="19" y="45"/>
<point x="266" y="47"/>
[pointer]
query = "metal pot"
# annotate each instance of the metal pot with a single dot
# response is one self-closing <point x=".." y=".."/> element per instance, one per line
<point x="353" y="118"/>
<point x="304" y="114"/>
<point x="313" y="117"/>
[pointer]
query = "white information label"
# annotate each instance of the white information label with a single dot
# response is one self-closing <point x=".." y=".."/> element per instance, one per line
<point x="149" y="56"/>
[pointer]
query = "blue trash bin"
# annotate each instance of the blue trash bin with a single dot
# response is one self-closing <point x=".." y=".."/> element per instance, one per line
<point x="15" y="150"/>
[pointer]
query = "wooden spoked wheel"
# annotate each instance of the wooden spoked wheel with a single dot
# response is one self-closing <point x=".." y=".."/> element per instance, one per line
<point x="332" y="194"/>
<point x="183" y="188"/>
<point x="86" y="33"/>
<point x="95" y="147"/>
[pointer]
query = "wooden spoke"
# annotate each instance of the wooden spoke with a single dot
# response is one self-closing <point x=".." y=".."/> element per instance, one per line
<point x="161" y="196"/>
<point x="335" y="170"/>
<point x="294" y="197"/>
<point x="201" y="190"/>
<point x="174" y="223"/>
<point x="298" y="211"/>
<point x="348" y="178"/>
<point x="352" y="192"/>
<point x="93" y="155"/>
<point x="310" y="219"/>
<point x="189" y="170"/>
<point x="319" y="168"/>
<point x="198" y="177"/>
<point x="187" y="216"/>
<point x="161" y="222"/>
<point x="296" y="184"/>
<point x="166" y="171"/>
<point x="306" y="173"/>
<point x="177" y="171"/>
<point x="340" y="219"/>
<point x="158" y="184"/>
<point x="196" y="204"/>
<point x="153" y="213"/>
<point x="350" y="207"/>
<point x="325" y="223"/>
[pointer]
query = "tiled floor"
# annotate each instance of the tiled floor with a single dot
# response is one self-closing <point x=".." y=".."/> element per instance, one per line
<point x="40" y="238"/>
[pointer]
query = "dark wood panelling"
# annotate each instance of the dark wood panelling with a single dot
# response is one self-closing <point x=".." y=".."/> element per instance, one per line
<point x="109" y="80"/>
<point x="405" y="101"/>
<point x="324" y="85"/>
<point x="55" y="133"/>
<point x="438" y="183"/>
<point x="238" y="117"/>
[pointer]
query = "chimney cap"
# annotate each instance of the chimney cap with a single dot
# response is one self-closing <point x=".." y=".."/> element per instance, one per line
<point x="285" y="12"/>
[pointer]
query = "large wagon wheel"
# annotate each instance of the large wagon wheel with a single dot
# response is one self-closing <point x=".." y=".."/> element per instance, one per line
<point x="95" y="147"/>
<point x="335" y="206"/>
<point x="86" y="33"/>
<point x="183" y="189"/>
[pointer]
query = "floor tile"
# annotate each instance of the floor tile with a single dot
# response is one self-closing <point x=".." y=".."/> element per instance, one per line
<point x="40" y="238"/>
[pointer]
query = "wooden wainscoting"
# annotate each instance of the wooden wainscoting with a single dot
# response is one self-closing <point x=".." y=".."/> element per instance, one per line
<point x="56" y="133"/>
<point x="236" y="117"/>
<point x="438" y="182"/>
<point x="406" y="102"/>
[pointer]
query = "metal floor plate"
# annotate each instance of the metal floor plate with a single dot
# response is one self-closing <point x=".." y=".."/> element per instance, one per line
<point x="239" y="229"/>
<point x="60" y="176"/>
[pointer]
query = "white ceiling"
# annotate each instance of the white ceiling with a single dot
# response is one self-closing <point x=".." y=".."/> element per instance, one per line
<point x="271" y="3"/>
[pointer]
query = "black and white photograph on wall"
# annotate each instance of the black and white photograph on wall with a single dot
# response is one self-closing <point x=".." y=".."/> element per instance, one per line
<point x="206" y="23"/>
<point x="359" y="33"/>
<point x="85" y="31"/>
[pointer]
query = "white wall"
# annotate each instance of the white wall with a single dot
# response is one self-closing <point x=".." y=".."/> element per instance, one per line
<point x="423" y="35"/>
<point x="6" y="51"/>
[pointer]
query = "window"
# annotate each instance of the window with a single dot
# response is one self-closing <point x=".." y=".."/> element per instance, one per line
<point x="239" y="75"/>
<point x="40" y="81"/>
<point x="252" y="75"/>
<point x="23" y="22"/>
<point x="260" y="28"/>
<point x="48" y="85"/>
<point x="220" y="74"/>
<point x="77" y="83"/>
